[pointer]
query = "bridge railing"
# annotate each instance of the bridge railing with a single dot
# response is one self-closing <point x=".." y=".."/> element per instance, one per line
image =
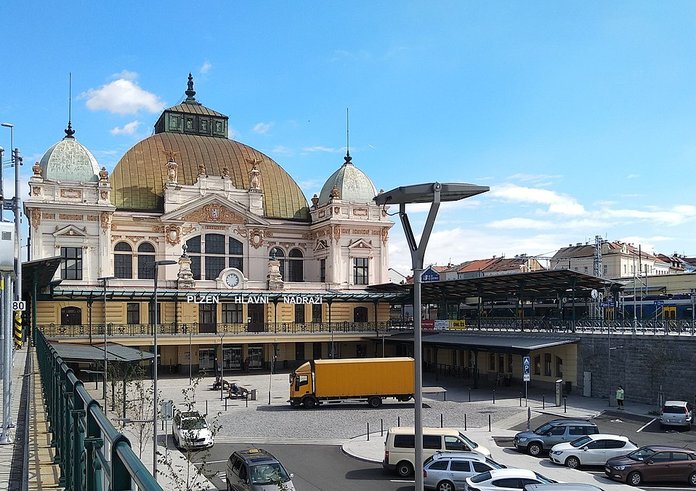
<point x="91" y="454"/>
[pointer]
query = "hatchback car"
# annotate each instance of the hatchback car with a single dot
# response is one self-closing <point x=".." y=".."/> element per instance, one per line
<point x="255" y="469"/>
<point x="676" y="413"/>
<point x="654" y="463"/>
<point x="505" y="480"/>
<point x="447" y="471"/>
<point x="551" y="433"/>
<point x="190" y="431"/>
<point x="591" y="450"/>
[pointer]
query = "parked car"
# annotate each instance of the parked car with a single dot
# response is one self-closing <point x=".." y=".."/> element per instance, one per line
<point x="190" y="430"/>
<point x="447" y="471"/>
<point x="255" y="469"/>
<point x="676" y="413"/>
<point x="400" y="452"/>
<point x="551" y="433"/>
<point x="505" y="480"/>
<point x="654" y="463"/>
<point x="591" y="450"/>
<point x="562" y="486"/>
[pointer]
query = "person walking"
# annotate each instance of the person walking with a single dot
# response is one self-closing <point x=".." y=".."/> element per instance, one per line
<point x="620" y="397"/>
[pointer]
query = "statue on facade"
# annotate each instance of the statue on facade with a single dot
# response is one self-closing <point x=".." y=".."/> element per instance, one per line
<point x="255" y="173"/>
<point x="184" y="278"/>
<point x="36" y="168"/>
<point x="275" y="279"/>
<point x="103" y="175"/>
<point x="172" y="171"/>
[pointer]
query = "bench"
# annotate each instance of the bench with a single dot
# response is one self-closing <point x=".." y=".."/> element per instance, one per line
<point x="436" y="390"/>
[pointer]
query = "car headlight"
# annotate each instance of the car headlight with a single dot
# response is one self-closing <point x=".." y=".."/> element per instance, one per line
<point x="522" y="439"/>
<point x="619" y="467"/>
<point x="556" y="452"/>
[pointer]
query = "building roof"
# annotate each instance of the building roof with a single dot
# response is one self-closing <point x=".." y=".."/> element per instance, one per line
<point x="114" y="353"/>
<point x="514" y="343"/>
<point x="351" y="184"/>
<point x="69" y="160"/>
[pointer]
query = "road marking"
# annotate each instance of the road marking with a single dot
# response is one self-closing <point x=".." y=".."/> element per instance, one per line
<point x="405" y="481"/>
<point x="646" y="425"/>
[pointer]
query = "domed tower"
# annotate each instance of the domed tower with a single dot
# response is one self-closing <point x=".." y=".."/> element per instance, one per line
<point x="69" y="207"/>
<point x="350" y="228"/>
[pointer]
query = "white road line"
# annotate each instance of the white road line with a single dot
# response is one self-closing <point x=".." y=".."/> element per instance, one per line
<point x="646" y="425"/>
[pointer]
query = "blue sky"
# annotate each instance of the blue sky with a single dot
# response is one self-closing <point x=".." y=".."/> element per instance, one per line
<point x="579" y="115"/>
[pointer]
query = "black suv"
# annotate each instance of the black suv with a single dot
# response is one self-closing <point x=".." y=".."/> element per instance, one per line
<point x="255" y="469"/>
<point x="551" y="433"/>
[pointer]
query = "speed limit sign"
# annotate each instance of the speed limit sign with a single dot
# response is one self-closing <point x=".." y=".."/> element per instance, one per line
<point x="20" y="305"/>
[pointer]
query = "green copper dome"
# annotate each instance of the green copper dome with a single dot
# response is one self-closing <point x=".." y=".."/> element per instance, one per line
<point x="69" y="160"/>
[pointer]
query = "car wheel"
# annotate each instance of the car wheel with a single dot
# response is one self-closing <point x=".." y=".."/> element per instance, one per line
<point x="309" y="403"/>
<point x="404" y="468"/>
<point x="634" y="478"/>
<point x="572" y="462"/>
<point x="445" y="486"/>
<point x="692" y="479"/>
<point x="534" y="449"/>
<point x="374" y="402"/>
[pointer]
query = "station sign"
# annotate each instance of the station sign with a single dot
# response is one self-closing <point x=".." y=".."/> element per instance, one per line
<point x="255" y="299"/>
<point x="430" y="275"/>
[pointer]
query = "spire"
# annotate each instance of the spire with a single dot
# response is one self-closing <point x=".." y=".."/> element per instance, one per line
<point x="190" y="93"/>
<point x="69" y="132"/>
<point x="347" y="158"/>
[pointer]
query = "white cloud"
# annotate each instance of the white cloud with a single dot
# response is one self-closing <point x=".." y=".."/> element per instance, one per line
<point x="282" y="150"/>
<point x="521" y="223"/>
<point x="127" y="129"/>
<point x="124" y="75"/>
<point x="122" y="96"/>
<point x="262" y="128"/>
<point x="205" y="68"/>
<point x="319" y="148"/>
<point x="557" y="203"/>
<point x="677" y="215"/>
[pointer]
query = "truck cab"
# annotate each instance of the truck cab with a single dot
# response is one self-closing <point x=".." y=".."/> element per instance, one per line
<point x="301" y="390"/>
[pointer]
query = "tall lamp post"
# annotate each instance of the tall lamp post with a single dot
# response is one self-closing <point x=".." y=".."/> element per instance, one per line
<point x="433" y="193"/>
<point x="104" y="280"/>
<point x="161" y="262"/>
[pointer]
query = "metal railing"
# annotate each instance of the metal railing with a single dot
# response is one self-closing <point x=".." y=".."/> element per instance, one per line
<point x="164" y="329"/>
<point x="589" y="326"/>
<point x="90" y="452"/>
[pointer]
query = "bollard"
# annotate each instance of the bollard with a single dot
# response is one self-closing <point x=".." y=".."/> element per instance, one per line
<point x="493" y="396"/>
<point x="565" y="404"/>
<point x="398" y="421"/>
<point x="381" y="427"/>
<point x="246" y="399"/>
<point x="529" y="416"/>
<point x="464" y="421"/>
<point x="489" y="423"/>
<point x="206" y="406"/>
<point x="442" y="421"/>
<point x="543" y="402"/>
<point x="520" y="399"/>
<point x="469" y="395"/>
<point x="269" y="397"/>
<point x="368" y="431"/>
<point x="226" y="399"/>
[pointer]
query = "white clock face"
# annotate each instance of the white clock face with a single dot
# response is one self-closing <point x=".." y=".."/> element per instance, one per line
<point x="231" y="280"/>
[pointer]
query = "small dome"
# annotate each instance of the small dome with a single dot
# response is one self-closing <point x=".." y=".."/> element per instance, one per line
<point x="69" y="160"/>
<point x="351" y="184"/>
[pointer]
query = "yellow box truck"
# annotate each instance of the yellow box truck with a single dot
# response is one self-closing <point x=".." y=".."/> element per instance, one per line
<point x="352" y="379"/>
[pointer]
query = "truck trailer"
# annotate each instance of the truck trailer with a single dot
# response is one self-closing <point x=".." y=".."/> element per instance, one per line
<point x="352" y="380"/>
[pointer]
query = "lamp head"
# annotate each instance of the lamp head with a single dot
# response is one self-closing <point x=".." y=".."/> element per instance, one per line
<point x="165" y="262"/>
<point x="423" y="193"/>
<point x="7" y="125"/>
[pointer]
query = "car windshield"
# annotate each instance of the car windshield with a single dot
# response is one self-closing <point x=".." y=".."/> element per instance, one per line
<point x="641" y="454"/>
<point x="469" y="442"/>
<point x="429" y="460"/>
<point x="270" y="473"/>
<point x="196" y="423"/>
<point x="544" y="479"/>
<point x="494" y="464"/>
<point x="484" y="476"/>
<point x="543" y="429"/>
<point x="581" y="441"/>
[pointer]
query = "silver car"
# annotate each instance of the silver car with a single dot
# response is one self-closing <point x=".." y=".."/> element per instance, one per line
<point x="447" y="471"/>
<point x="676" y="413"/>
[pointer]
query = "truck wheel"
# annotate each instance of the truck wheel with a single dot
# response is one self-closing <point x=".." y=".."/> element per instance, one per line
<point x="309" y="403"/>
<point x="374" y="402"/>
<point x="404" y="469"/>
<point x="403" y="398"/>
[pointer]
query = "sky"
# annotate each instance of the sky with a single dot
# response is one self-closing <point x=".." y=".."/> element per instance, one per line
<point x="579" y="115"/>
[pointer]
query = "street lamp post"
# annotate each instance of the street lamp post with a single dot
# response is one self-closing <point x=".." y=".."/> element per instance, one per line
<point x="161" y="262"/>
<point x="104" y="280"/>
<point x="432" y="193"/>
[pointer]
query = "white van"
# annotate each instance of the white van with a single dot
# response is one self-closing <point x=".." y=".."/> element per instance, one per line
<point x="399" y="447"/>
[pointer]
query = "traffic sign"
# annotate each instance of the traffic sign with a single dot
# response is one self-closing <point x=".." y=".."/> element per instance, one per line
<point x="526" y="368"/>
<point x="19" y="305"/>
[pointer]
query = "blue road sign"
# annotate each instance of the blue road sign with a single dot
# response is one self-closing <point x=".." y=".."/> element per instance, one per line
<point x="526" y="368"/>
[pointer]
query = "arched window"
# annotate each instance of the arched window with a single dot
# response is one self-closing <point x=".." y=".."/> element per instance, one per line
<point x="295" y="265"/>
<point x="71" y="316"/>
<point x="277" y="253"/>
<point x="146" y="261"/>
<point x="209" y="255"/>
<point x="123" y="260"/>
